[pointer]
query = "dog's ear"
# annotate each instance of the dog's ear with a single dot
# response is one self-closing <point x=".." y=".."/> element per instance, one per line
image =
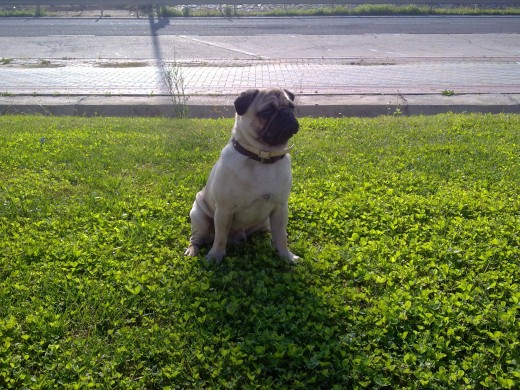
<point x="244" y="100"/>
<point x="290" y="95"/>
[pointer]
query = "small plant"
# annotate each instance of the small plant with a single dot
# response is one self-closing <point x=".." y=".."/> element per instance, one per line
<point x="228" y="11"/>
<point x="174" y="79"/>
<point x="166" y="12"/>
<point x="39" y="12"/>
<point x="6" y="61"/>
<point x="395" y="109"/>
<point x="448" y="92"/>
<point x="398" y="111"/>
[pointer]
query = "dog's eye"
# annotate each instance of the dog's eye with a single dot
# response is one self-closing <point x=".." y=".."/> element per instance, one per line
<point x="266" y="112"/>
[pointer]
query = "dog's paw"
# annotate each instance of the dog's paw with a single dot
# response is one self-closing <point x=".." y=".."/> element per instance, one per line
<point x="214" y="257"/>
<point x="192" y="251"/>
<point x="290" y="258"/>
<point x="293" y="260"/>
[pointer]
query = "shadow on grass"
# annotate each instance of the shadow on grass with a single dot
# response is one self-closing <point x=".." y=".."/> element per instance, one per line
<point x="267" y="324"/>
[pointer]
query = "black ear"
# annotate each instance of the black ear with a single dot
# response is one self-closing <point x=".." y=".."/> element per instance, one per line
<point x="244" y="100"/>
<point x="290" y="95"/>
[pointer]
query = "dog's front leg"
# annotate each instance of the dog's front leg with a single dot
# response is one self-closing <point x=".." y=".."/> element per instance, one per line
<point x="278" y="220"/>
<point x="222" y="220"/>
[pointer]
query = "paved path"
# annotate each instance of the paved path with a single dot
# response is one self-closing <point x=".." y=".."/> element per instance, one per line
<point x="368" y="75"/>
<point x="323" y="77"/>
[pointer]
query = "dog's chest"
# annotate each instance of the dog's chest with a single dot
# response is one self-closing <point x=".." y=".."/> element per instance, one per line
<point x="269" y="186"/>
<point x="256" y="208"/>
<point x="260" y="191"/>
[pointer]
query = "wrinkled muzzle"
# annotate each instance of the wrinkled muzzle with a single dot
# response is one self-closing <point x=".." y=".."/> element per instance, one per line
<point x="280" y="128"/>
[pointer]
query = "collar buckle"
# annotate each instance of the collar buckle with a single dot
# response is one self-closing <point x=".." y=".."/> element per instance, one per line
<point x="264" y="154"/>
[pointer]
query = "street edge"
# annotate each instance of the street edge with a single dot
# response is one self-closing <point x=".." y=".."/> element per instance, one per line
<point x="219" y="106"/>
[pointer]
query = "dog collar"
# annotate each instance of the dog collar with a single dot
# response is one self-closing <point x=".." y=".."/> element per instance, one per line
<point x="263" y="156"/>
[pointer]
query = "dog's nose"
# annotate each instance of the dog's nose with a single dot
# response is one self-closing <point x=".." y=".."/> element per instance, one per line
<point x="289" y="120"/>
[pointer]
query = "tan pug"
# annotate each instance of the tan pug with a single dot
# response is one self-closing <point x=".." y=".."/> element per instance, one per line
<point x="248" y="188"/>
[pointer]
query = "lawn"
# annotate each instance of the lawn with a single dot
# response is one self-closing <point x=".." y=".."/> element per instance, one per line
<point x="408" y="229"/>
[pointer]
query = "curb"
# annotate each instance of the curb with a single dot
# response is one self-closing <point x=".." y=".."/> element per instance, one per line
<point x="222" y="106"/>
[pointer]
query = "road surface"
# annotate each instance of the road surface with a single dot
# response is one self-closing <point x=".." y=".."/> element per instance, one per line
<point x="250" y="26"/>
<point x="260" y="38"/>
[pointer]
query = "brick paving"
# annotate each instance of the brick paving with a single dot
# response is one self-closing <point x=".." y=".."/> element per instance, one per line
<point x="323" y="77"/>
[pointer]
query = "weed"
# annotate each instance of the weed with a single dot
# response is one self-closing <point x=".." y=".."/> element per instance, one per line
<point x="398" y="111"/>
<point x="284" y="10"/>
<point x="42" y="63"/>
<point x="126" y="64"/>
<point x="448" y="92"/>
<point x="229" y="11"/>
<point x="176" y="83"/>
<point x="37" y="11"/>
<point x="166" y="11"/>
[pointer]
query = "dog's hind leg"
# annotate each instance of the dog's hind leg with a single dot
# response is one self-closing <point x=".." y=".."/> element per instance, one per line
<point x="202" y="230"/>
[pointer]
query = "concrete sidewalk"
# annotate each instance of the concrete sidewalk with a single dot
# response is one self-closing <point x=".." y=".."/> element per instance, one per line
<point x="324" y="87"/>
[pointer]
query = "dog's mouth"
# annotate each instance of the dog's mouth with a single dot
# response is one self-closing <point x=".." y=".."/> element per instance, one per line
<point x="280" y="128"/>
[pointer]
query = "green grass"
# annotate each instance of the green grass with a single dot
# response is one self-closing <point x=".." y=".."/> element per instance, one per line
<point x="340" y="10"/>
<point x="409" y="231"/>
<point x="25" y="12"/>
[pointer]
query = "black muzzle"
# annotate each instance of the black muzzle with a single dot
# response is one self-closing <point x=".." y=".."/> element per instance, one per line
<point x="282" y="126"/>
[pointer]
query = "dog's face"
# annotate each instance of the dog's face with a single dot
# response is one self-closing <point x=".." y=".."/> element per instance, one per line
<point x="267" y="115"/>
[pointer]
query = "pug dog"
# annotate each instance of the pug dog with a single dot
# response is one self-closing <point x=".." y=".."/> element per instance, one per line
<point x="248" y="188"/>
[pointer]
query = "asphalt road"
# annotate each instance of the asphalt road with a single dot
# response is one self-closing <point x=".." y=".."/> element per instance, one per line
<point x="251" y="26"/>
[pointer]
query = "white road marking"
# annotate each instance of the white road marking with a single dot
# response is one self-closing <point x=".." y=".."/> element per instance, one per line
<point x="248" y="53"/>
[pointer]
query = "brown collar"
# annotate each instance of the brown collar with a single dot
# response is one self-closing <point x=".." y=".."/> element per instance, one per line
<point x="262" y="156"/>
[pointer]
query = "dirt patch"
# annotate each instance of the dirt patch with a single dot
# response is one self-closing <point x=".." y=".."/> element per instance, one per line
<point x="129" y="64"/>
